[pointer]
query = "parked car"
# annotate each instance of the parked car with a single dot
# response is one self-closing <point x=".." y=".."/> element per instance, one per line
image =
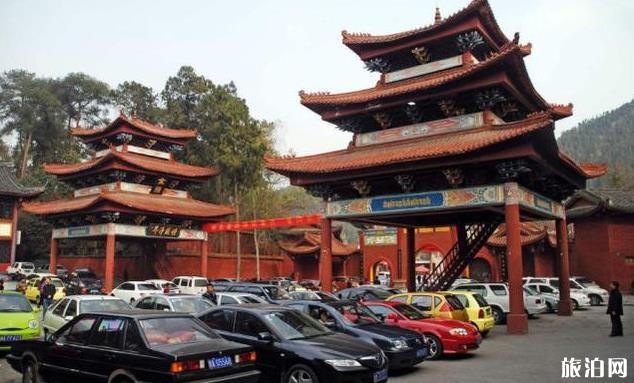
<point x="370" y="293"/>
<point x="341" y="281"/>
<point x="132" y="346"/>
<point x="293" y="348"/>
<point x="550" y="300"/>
<point x="434" y="304"/>
<point x="596" y="294"/>
<point x="191" y="284"/>
<point x="444" y="336"/>
<point x="22" y="268"/>
<point x="309" y="295"/>
<point x="32" y="292"/>
<point x="60" y="270"/>
<point x="478" y="310"/>
<point x="310" y="284"/>
<point x="160" y="283"/>
<point x="132" y="291"/>
<point x="460" y="281"/>
<point x="228" y="298"/>
<point x="18" y="319"/>
<point x="83" y="281"/>
<point x="391" y="290"/>
<point x="282" y="282"/>
<point x="404" y="348"/>
<point x="579" y="299"/>
<point x="68" y="308"/>
<point x="269" y="293"/>
<point x="497" y="296"/>
<point x="181" y="303"/>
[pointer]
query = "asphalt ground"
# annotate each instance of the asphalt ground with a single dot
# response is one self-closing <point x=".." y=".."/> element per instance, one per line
<point x="535" y="357"/>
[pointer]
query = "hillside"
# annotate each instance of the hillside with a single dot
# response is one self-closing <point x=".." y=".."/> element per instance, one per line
<point x="607" y="138"/>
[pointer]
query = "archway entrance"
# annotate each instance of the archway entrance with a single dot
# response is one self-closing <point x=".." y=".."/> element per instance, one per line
<point x="382" y="271"/>
<point x="480" y="270"/>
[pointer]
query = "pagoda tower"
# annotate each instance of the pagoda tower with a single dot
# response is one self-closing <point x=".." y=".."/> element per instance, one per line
<point x="453" y="133"/>
<point x="133" y="187"/>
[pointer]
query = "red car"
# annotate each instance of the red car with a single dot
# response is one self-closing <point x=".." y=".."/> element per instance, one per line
<point x="445" y="336"/>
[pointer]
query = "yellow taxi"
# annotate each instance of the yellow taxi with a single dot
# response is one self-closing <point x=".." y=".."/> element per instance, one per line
<point x="435" y="304"/>
<point x="32" y="292"/>
<point x="478" y="310"/>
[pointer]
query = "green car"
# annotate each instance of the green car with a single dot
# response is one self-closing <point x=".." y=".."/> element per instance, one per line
<point x="18" y="320"/>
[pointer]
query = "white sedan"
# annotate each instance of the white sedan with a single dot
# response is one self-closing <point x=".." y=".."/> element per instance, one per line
<point x="132" y="291"/>
<point x="160" y="283"/>
<point x="69" y="307"/>
<point x="230" y="298"/>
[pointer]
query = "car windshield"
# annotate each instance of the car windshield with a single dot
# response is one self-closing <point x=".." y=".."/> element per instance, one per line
<point x="190" y="304"/>
<point x="250" y="299"/>
<point x="410" y="312"/>
<point x="175" y="330"/>
<point x="200" y="282"/>
<point x="585" y="282"/>
<point x="275" y="292"/>
<point x="454" y="302"/>
<point x="28" y="265"/>
<point x="146" y="286"/>
<point x="98" y="305"/>
<point x="481" y="301"/>
<point x="356" y="314"/>
<point x="291" y="324"/>
<point x="531" y="290"/>
<point x="86" y="275"/>
<point x="379" y="293"/>
<point x="14" y="303"/>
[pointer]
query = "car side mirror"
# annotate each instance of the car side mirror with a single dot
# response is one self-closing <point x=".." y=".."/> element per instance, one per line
<point x="392" y="317"/>
<point x="265" y="336"/>
<point x="331" y="324"/>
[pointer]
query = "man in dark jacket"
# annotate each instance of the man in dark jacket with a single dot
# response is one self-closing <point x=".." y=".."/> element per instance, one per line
<point x="48" y="292"/>
<point x="615" y="309"/>
<point x="210" y="294"/>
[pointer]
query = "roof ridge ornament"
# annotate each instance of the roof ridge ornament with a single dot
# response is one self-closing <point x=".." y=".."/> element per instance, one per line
<point x="437" y="17"/>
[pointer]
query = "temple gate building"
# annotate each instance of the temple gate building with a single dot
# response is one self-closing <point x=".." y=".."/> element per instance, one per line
<point x="12" y="194"/>
<point x="130" y="199"/>
<point x="453" y="133"/>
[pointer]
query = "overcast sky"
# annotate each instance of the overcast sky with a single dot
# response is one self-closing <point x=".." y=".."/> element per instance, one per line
<point x="582" y="49"/>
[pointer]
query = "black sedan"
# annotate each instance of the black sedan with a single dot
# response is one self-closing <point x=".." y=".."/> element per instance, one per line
<point x="134" y="346"/>
<point x="293" y="348"/>
<point x="83" y="281"/>
<point x="404" y="348"/>
<point x="364" y="293"/>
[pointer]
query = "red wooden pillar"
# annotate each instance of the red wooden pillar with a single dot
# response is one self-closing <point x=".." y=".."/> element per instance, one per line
<point x="517" y="321"/>
<point x="565" y="305"/>
<point x="410" y="259"/>
<point x="14" y="231"/>
<point x="109" y="267"/>
<point x="325" y="258"/>
<point x="204" y="256"/>
<point x="52" y="263"/>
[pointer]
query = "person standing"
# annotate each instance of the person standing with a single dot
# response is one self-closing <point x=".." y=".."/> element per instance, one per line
<point x="210" y="294"/>
<point x="615" y="309"/>
<point x="48" y="292"/>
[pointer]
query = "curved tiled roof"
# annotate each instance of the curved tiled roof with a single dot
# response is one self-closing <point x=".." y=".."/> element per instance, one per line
<point x="137" y="123"/>
<point x="415" y="149"/>
<point x="9" y="185"/>
<point x="530" y="233"/>
<point x="149" y="203"/>
<point x="589" y="170"/>
<point x="417" y="83"/>
<point x="311" y="243"/>
<point x="152" y="164"/>
<point x="476" y="6"/>
<point x="600" y="200"/>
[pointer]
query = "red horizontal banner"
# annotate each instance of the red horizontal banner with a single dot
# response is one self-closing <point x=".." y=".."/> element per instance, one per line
<point x="261" y="224"/>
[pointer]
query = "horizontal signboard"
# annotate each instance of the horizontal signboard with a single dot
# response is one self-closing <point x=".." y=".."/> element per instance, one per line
<point x="127" y="230"/>
<point x="423" y="69"/>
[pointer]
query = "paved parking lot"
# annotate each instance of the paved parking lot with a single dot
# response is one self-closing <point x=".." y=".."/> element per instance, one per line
<point x="502" y="358"/>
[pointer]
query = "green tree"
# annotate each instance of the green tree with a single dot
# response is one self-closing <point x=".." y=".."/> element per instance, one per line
<point x="85" y="100"/>
<point x="137" y="99"/>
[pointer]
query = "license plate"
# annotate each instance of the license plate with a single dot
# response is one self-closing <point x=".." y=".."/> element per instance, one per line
<point x="10" y="338"/>
<point x="220" y="362"/>
<point x="380" y="376"/>
<point x="421" y="353"/>
<point x="95" y="291"/>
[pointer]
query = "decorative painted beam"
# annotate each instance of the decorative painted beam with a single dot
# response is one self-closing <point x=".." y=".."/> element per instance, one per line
<point x="128" y="231"/>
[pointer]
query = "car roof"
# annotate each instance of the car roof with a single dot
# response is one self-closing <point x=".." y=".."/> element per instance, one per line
<point x="454" y="292"/>
<point x="247" y="284"/>
<point x="235" y="294"/>
<point x="189" y="276"/>
<point x="255" y="307"/>
<point x="383" y="303"/>
<point x="172" y="295"/>
<point x="140" y="314"/>
<point x="92" y="297"/>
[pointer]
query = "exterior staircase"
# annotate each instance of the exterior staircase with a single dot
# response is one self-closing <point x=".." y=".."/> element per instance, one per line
<point x="471" y="238"/>
<point x="163" y="268"/>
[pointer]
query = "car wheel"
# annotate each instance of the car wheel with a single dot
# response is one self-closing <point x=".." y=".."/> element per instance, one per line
<point x="549" y="307"/>
<point x="131" y="300"/>
<point x="575" y="305"/>
<point x="484" y="333"/>
<point x="435" y="347"/>
<point x="595" y="300"/>
<point x="498" y="315"/>
<point x="31" y="373"/>
<point x="301" y="373"/>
